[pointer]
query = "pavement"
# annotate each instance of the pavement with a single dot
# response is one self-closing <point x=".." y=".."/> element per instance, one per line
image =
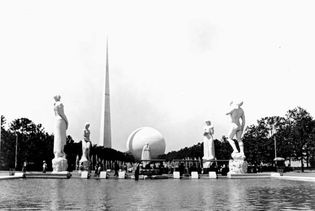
<point x="307" y="175"/>
<point x="4" y="173"/>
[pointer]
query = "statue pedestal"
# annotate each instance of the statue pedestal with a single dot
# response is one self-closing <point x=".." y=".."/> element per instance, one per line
<point x="176" y="175"/>
<point x="238" y="165"/>
<point x="213" y="175"/>
<point x="194" y="175"/>
<point x="85" y="175"/>
<point x="206" y="162"/>
<point x="122" y="175"/>
<point x="103" y="175"/>
<point x="59" y="164"/>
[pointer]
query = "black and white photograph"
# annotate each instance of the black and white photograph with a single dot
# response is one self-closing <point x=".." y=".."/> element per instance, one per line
<point x="157" y="105"/>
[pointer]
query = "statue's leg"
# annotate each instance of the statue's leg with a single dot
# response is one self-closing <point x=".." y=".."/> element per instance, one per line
<point x="211" y="149"/>
<point x="205" y="148"/>
<point x="240" y="142"/>
<point x="230" y="139"/>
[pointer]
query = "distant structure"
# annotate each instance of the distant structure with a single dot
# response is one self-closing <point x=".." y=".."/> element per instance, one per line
<point x="146" y="154"/>
<point x="105" y="129"/>
<point x="146" y="138"/>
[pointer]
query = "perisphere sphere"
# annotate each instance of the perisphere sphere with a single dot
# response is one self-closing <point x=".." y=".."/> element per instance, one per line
<point x="146" y="135"/>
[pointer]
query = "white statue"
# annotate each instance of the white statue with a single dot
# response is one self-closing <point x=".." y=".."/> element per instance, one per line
<point x="60" y="136"/>
<point x="146" y="154"/>
<point x="86" y="144"/>
<point x="236" y="113"/>
<point x="208" y="144"/>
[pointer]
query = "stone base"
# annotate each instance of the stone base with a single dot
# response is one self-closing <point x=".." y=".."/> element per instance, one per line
<point x="176" y="175"/>
<point x="85" y="175"/>
<point x="19" y="174"/>
<point x="238" y="166"/>
<point x="213" y="175"/>
<point x="206" y="162"/>
<point x="59" y="164"/>
<point x="103" y="175"/>
<point x="238" y="156"/>
<point x="194" y="175"/>
<point x="275" y="174"/>
<point x="49" y="175"/>
<point x="249" y="176"/>
<point x="122" y="175"/>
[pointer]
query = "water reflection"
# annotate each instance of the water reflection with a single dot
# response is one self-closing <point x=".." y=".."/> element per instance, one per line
<point x="220" y="194"/>
<point x="236" y="195"/>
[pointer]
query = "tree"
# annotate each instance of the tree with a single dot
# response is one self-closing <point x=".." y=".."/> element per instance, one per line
<point x="301" y="133"/>
<point x="260" y="140"/>
<point x="3" y="121"/>
<point x="72" y="150"/>
<point x="34" y="145"/>
<point x="223" y="149"/>
<point x="257" y="145"/>
<point x="7" y="147"/>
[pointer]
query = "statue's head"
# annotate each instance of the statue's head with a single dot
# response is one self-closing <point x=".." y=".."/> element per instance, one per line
<point x="236" y="103"/>
<point x="57" y="97"/>
<point x="208" y="122"/>
<point x="87" y="125"/>
<point x="239" y="103"/>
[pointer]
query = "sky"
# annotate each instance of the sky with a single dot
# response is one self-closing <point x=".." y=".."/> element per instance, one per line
<point x="173" y="64"/>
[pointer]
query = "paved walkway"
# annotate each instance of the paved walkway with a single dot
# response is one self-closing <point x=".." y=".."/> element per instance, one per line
<point x="4" y="175"/>
<point x="300" y="174"/>
<point x="308" y="175"/>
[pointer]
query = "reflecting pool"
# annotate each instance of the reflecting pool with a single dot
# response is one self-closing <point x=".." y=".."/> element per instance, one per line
<point x="169" y="194"/>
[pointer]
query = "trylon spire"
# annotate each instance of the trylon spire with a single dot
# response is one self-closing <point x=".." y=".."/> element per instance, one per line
<point x="105" y="130"/>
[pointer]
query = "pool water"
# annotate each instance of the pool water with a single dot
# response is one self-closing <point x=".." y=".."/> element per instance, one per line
<point x="169" y="194"/>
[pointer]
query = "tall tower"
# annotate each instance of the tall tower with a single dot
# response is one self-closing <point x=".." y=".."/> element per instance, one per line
<point x="105" y="130"/>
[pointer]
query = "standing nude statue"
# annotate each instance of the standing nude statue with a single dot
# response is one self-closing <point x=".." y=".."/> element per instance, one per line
<point x="60" y="128"/>
<point x="86" y="144"/>
<point x="208" y="144"/>
<point x="59" y="162"/>
<point x="236" y="113"/>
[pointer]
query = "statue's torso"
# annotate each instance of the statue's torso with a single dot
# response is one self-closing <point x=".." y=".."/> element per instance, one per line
<point x="58" y="109"/>
<point x="86" y="134"/>
<point x="236" y="114"/>
<point x="208" y="130"/>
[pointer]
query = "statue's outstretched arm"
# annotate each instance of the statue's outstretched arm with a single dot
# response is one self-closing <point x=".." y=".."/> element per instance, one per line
<point x="230" y="111"/>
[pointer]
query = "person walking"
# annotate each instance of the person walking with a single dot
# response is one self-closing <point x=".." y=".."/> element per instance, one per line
<point x="137" y="171"/>
<point x="44" y="166"/>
